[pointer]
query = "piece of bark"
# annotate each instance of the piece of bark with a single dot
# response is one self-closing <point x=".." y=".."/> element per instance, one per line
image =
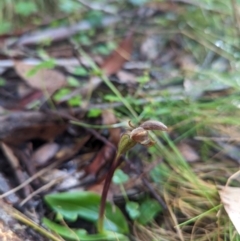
<point x="20" y="126"/>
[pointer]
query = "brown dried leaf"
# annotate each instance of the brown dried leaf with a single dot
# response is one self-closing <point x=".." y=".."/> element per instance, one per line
<point x="48" y="80"/>
<point x="230" y="197"/>
<point x="105" y="155"/>
<point x="43" y="154"/>
<point x="122" y="54"/>
<point x="126" y="77"/>
<point x="108" y="118"/>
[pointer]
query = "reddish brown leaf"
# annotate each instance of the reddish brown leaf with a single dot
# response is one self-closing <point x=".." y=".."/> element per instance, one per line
<point x="108" y="118"/>
<point x="122" y="54"/>
<point x="105" y="155"/>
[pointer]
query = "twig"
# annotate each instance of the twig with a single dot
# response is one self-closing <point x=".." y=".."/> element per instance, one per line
<point x="44" y="187"/>
<point x="154" y="193"/>
<point x="22" y="218"/>
<point x="29" y="180"/>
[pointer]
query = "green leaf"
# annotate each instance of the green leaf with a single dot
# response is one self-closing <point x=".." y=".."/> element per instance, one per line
<point x="73" y="82"/>
<point x="2" y="82"/>
<point x="80" y="71"/>
<point x="111" y="98"/>
<point x="94" y="112"/>
<point x="144" y="79"/>
<point x="86" y="205"/>
<point x="81" y="234"/>
<point x="5" y="27"/>
<point x="61" y="93"/>
<point x="25" y="8"/>
<point x="148" y="210"/>
<point x="133" y="210"/>
<point x="69" y="6"/>
<point x="120" y="177"/>
<point x="102" y="49"/>
<point x="75" y="101"/>
<point x="48" y="64"/>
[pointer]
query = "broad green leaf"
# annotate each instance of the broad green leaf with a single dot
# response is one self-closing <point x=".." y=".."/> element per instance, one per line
<point x="120" y="177"/>
<point x="133" y="209"/>
<point x="81" y="234"/>
<point x="148" y="211"/>
<point x="86" y="205"/>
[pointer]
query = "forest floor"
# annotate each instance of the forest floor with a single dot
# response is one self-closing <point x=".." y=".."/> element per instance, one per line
<point x="70" y="82"/>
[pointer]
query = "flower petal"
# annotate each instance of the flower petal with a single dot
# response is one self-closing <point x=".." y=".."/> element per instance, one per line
<point x="153" y="125"/>
<point x="139" y="135"/>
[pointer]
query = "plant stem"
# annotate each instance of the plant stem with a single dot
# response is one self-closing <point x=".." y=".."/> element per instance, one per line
<point x="106" y="186"/>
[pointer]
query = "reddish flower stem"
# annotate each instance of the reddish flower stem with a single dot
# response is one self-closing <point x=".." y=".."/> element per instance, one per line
<point x="117" y="161"/>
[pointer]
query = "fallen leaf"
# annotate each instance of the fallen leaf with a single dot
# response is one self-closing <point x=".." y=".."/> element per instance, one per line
<point x="230" y="197"/>
<point x="44" y="153"/>
<point x="126" y="77"/>
<point x="116" y="60"/>
<point x="108" y="118"/>
<point x="47" y="80"/>
<point x="150" y="47"/>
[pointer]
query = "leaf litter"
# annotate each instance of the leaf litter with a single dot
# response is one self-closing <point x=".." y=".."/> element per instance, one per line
<point x="164" y="73"/>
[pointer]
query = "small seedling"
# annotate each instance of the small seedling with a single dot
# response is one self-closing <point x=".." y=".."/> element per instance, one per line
<point x="128" y="140"/>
